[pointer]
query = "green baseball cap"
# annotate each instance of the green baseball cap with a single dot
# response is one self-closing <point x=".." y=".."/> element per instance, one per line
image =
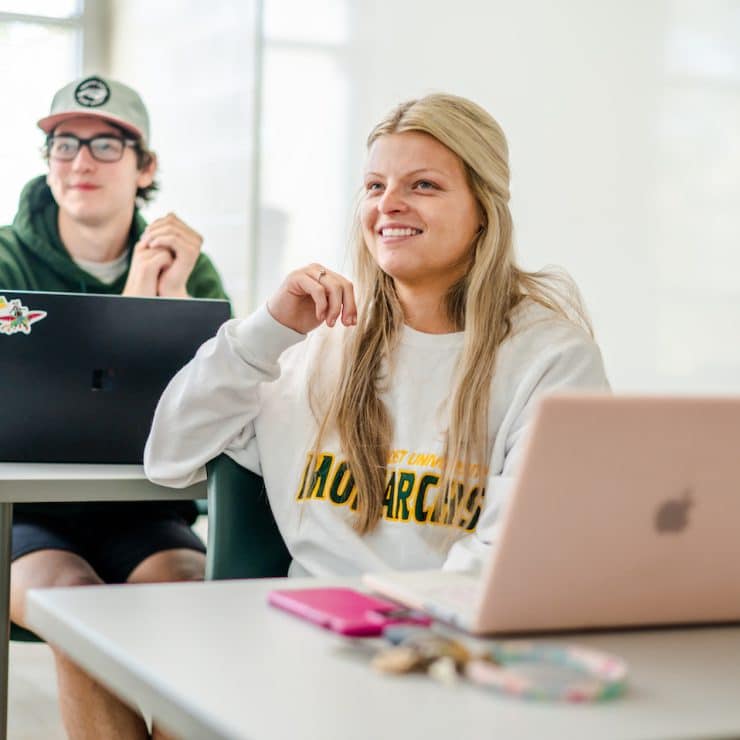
<point x="98" y="96"/>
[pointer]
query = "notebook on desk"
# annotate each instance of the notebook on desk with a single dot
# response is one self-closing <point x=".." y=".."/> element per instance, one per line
<point x="625" y="513"/>
<point x="82" y="374"/>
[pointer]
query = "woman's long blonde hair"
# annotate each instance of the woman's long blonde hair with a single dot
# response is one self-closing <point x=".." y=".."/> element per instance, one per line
<point x="480" y="304"/>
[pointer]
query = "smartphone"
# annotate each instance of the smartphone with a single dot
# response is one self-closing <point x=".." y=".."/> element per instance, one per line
<point x="344" y="610"/>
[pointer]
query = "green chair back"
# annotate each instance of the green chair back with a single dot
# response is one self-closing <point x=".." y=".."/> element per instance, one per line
<point x="22" y="635"/>
<point x="243" y="539"/>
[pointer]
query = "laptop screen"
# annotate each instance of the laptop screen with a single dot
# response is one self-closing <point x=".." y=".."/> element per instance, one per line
<point x="82" y="374"/>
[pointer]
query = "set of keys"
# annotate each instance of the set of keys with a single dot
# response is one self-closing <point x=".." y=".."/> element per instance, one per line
<point x="530" y="670"/>
<point x="416" y="650"/>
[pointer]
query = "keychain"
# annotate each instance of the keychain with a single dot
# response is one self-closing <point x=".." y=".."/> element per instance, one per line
<point x="529" y="670"/>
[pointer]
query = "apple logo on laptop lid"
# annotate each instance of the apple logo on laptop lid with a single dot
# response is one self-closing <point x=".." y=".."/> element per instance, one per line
<point x="673" y="515"/>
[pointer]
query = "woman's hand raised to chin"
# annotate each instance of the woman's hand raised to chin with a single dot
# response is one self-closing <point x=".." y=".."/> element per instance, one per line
<point x="312" y="295"/>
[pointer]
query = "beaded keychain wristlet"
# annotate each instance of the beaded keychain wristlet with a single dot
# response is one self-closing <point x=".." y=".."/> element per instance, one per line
<point x="603" y="676"/>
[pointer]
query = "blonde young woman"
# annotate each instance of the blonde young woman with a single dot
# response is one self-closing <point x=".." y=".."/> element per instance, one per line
<point x="387" y="416"/>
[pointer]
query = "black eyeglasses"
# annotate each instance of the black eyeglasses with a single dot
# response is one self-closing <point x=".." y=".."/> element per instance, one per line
<point x="105" y="148"/>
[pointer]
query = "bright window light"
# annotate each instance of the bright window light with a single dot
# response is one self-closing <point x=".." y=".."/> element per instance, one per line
<point x="47" y="8"/>
<point x="35" y="61"/>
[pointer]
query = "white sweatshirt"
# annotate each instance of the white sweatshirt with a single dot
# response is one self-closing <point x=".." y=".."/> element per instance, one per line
<point x="246" y="393"/>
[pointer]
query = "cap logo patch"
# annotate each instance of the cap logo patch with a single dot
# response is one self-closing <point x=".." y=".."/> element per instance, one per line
<point x="15" y="317"/>
<point x="92" y="92"/>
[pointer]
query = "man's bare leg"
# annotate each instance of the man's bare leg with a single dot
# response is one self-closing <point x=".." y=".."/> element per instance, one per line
<point x="168" y="566"/>
<point x="88" y="709"/>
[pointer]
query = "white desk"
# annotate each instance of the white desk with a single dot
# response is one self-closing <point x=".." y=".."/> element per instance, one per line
<point x="213" y="660"/>
<point x="22" y="482"/>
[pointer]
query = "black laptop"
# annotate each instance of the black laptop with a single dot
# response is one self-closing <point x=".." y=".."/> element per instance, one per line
<point x="82" y="374"/>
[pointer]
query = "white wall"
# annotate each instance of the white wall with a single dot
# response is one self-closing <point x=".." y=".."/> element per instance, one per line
<point x="625" y="152"/>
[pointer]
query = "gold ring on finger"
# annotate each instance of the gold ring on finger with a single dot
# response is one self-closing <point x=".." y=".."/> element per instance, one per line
<point x="321" y="274"/>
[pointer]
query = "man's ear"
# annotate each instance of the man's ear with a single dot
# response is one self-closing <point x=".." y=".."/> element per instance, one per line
<point x="147" y="173"/>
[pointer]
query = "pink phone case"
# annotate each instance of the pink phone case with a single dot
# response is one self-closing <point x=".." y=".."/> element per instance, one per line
<point x="344" y="610"/>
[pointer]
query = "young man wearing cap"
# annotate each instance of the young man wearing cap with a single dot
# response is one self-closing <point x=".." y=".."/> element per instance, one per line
<point x="78" y="230"/>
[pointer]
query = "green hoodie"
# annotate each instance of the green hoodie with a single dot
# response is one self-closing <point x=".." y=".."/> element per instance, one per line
<point x="32" y="257"/>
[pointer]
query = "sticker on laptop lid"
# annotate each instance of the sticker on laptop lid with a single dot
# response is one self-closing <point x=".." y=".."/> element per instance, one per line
<point x="15" y="317"/>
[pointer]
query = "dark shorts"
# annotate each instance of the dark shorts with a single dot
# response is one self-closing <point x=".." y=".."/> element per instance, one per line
<point x="113" y="547"/>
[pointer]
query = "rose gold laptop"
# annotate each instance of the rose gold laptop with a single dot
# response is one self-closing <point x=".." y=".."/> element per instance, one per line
<point x="626" y="513"/>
